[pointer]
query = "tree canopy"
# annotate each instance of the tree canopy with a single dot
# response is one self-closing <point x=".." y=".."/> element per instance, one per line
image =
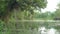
<point x="6" y="6"/>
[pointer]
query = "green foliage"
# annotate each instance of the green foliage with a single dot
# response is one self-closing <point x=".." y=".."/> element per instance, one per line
<point x="44" y="16"/>
<point x="28" y="5"/>
<point x="24" y="11"/>
<point x="1" y="25"/>
<point x="32" y="3"/>
<point x="57" y="27"/>
<point x="57" y="12"/>
<point x="3" y="5"/>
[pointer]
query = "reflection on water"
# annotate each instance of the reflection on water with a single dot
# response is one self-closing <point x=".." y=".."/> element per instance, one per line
<point x="43" y="30"/>
<point x="51" y="31"/>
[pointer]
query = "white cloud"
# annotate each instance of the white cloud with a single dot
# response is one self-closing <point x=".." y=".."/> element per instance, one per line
<point x="51" y="6"/>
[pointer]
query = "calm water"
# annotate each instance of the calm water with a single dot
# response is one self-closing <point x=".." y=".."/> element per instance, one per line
<point x="43" y="30"/>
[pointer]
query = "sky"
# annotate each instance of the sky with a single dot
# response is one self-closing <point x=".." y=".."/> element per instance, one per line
<point x="51" y="6"/>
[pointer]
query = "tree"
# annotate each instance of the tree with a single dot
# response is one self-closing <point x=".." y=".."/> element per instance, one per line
<point x="7" y="6"/>
<point x="57" y="13"/>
